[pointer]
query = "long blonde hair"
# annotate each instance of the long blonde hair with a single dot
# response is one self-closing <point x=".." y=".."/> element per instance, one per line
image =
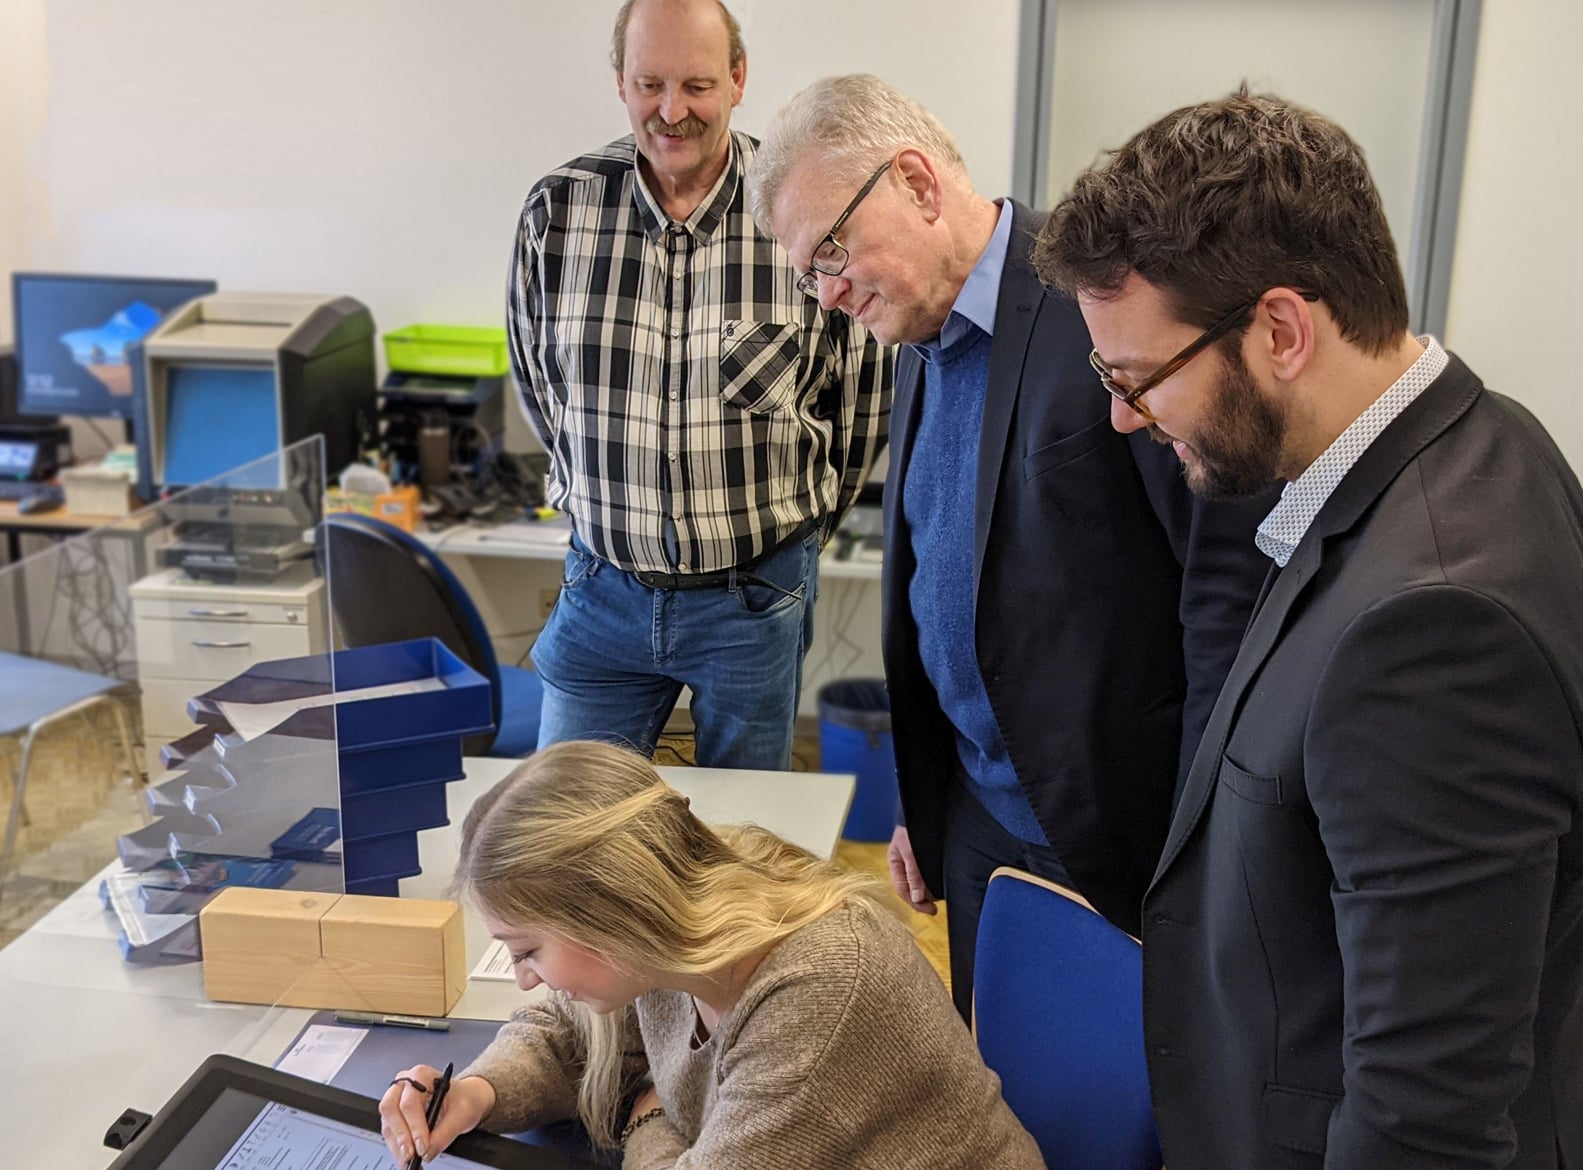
<point x="585" y="840"/>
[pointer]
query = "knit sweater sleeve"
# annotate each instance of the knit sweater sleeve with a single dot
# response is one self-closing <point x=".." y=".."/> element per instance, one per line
<point x="844" y="1052"/>
<point x="535" y="1062"/>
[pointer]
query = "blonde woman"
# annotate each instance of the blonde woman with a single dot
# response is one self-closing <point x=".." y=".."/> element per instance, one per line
<point x="765" y="1008"/>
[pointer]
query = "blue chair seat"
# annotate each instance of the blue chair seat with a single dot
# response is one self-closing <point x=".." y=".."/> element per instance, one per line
<point x="1058" y="1012"/>
<point x="521" y="702"/>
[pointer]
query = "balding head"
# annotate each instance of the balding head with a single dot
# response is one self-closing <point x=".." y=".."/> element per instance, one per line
<point x="618" y="39"/>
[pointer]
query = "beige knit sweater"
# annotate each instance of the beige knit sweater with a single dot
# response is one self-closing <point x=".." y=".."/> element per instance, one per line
<point x="843" y="1052"/>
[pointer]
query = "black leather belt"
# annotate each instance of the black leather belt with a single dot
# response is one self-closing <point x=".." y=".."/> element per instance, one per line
<point x="720" y="578"/>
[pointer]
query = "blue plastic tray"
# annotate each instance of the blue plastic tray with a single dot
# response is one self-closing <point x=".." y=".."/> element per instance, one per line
<point x="379" y="856"/>
<point x="394" y="810"/>
<point x="461" y="708"/>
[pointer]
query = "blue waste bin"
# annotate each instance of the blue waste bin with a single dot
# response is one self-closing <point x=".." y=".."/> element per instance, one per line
<point x="854" y="736"/>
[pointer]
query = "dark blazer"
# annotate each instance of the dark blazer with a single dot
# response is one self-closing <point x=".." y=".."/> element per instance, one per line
<point x="1364" y="946"/>
<point x="1089" y="642"/>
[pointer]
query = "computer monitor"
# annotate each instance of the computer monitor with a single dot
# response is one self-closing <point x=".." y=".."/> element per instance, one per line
<point x="230" y="378"/>
<point x="75" y="336"/>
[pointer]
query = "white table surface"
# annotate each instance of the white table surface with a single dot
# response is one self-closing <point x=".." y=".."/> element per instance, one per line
<point x="531" y="540"/>
<point x="86" y="1035"/>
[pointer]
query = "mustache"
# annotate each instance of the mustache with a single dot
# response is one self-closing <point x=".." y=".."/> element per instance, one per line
<point x="689" y="127"/>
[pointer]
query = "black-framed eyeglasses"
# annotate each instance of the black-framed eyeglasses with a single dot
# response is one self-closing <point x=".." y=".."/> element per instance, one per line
<point x="830" y="256"/>
<point x="1129" y="395"/>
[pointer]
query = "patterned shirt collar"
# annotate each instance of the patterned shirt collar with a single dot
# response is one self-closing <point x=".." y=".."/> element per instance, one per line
<point x="709" y="213"/>
<point x="1283" y="529"/>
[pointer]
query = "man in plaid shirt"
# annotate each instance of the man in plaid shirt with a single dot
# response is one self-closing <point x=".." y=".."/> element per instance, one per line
<point x="708" y="424"/>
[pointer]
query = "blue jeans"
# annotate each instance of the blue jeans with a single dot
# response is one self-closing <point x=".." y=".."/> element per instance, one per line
<point x="615" y="655"/>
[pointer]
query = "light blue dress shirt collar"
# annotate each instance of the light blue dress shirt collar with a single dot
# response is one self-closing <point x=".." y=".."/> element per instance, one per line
<point x="975" y="304"/>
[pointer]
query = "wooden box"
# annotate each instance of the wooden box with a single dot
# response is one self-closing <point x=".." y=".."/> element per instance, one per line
<point x="405" y="955"/>
<point x="297" y="949"/>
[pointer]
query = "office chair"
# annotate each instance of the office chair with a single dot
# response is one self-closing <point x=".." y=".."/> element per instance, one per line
<point x="388" y="586"/>
<point x="1058" y="1013"/>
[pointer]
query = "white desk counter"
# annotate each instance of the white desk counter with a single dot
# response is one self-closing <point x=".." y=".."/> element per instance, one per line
<point x="86" y="1035"/>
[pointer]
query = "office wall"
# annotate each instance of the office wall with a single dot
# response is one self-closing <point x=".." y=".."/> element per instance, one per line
<point x="1517" y="281"/>
<point x="382" y="149"/>
<point x="23" y="67"/>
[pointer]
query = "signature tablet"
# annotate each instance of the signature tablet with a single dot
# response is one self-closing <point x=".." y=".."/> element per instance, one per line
<point x="234" y="1115"/>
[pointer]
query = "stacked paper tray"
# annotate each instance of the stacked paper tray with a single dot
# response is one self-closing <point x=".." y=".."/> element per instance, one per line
<point x="279" y="745"/>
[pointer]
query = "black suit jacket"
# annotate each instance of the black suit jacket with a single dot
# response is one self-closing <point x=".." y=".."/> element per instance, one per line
<point x="1364" y="946"/>
<point x="1092" y="648"/>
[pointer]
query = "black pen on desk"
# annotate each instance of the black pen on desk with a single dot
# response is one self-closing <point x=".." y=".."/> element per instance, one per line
<point x="397" y="1021"/>
<point x="432" y="1115"/>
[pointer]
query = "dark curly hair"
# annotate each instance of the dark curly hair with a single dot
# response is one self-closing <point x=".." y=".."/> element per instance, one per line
<point x="1218" y="202"/>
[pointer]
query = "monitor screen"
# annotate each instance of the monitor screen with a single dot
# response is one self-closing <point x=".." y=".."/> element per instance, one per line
<point x="243" y="1132"/>
<point x="217" y="418"/>
<point x="17" y="458"/>
<point x="73" y="334"/>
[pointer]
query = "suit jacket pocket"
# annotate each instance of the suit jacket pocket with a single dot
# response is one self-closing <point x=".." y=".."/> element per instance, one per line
<point x="1298" y="1119"/>
<point x="758" y="364"/>
<point x="1068" y="450"/>
<point x="1248" y="785"/>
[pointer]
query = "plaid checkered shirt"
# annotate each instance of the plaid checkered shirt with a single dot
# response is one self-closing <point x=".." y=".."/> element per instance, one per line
<point x="697" y="407"/>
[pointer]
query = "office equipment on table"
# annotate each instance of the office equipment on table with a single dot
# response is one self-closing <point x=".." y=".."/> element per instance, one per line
<point x="43" y="498"/>
<point x="390" y="1020"/>
<point x="76" y="337"/>
<point x="391" y="586"/>
<point x="379" y="1052"/>
<point x="103" y="488"/>
<point x="35" y="694"/>
<point x="192" y="635"/>
<point x="322" y="950"/>
<point x="231" y="534"/>
<point x="233" y="377"/>
<point x="431" y="1113"/>
<point x="231" y="1113"/>
<point x="33" y="452"/>
<point x="380" y="743"/>
<point x="464" y="416"/>
<point x="1058" y="1014"/>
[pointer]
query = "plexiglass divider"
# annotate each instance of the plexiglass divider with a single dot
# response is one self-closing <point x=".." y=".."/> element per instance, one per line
<point x="152" y="670"/>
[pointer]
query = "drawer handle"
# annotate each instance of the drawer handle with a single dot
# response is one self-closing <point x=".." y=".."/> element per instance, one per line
<point x="218" y="613"/>
<point x="207" y="645"/>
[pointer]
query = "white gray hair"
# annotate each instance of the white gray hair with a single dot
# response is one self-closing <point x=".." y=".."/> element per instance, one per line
<point x="854" y="123"/>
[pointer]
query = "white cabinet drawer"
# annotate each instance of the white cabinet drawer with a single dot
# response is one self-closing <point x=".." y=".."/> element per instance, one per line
<point x="165" y="705"/>
<point x="217" y="650"/>
<point x="221" y="609"/>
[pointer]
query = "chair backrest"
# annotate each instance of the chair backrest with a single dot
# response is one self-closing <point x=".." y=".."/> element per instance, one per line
<point x="388" y="586"/>
<point x="1058" y="1012"/>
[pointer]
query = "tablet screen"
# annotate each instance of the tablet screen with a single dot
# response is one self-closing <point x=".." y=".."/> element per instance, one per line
<point x="242" y="1132"/>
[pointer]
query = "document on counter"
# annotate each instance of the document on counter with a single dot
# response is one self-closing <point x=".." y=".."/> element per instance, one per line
<point x="496" y="964"/>
<point x="320" y="1051"/>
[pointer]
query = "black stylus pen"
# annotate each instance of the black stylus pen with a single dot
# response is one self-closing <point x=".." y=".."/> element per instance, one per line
<point x="432" y="1115"/>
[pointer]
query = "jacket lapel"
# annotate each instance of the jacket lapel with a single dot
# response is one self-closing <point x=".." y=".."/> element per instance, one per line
<point x="1016" y="313"/>
<point x="1440" y="405"/>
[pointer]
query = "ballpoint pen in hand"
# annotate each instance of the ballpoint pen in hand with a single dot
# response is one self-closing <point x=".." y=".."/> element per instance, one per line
<point x="432" y="1114"/>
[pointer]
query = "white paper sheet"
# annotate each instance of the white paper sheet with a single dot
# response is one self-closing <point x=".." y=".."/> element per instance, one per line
<point x="250" y="720"/>
<point x="496" y="964"/>
<point x="321" y="1051"/>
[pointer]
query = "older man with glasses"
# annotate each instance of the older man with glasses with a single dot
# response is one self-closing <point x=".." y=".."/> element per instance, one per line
<point x="1059" y="613"/>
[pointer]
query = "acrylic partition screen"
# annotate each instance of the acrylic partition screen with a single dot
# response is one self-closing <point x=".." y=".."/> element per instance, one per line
<point x="167" y="731"/>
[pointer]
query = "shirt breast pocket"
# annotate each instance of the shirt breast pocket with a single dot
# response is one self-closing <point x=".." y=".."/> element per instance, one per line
<point x="759" y="361"/>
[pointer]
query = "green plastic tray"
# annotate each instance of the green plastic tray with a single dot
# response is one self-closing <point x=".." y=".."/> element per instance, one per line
<point x="457" y="350"/>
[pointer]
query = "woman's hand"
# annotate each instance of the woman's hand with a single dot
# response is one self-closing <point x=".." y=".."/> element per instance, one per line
<point x="403" y="1107"/>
